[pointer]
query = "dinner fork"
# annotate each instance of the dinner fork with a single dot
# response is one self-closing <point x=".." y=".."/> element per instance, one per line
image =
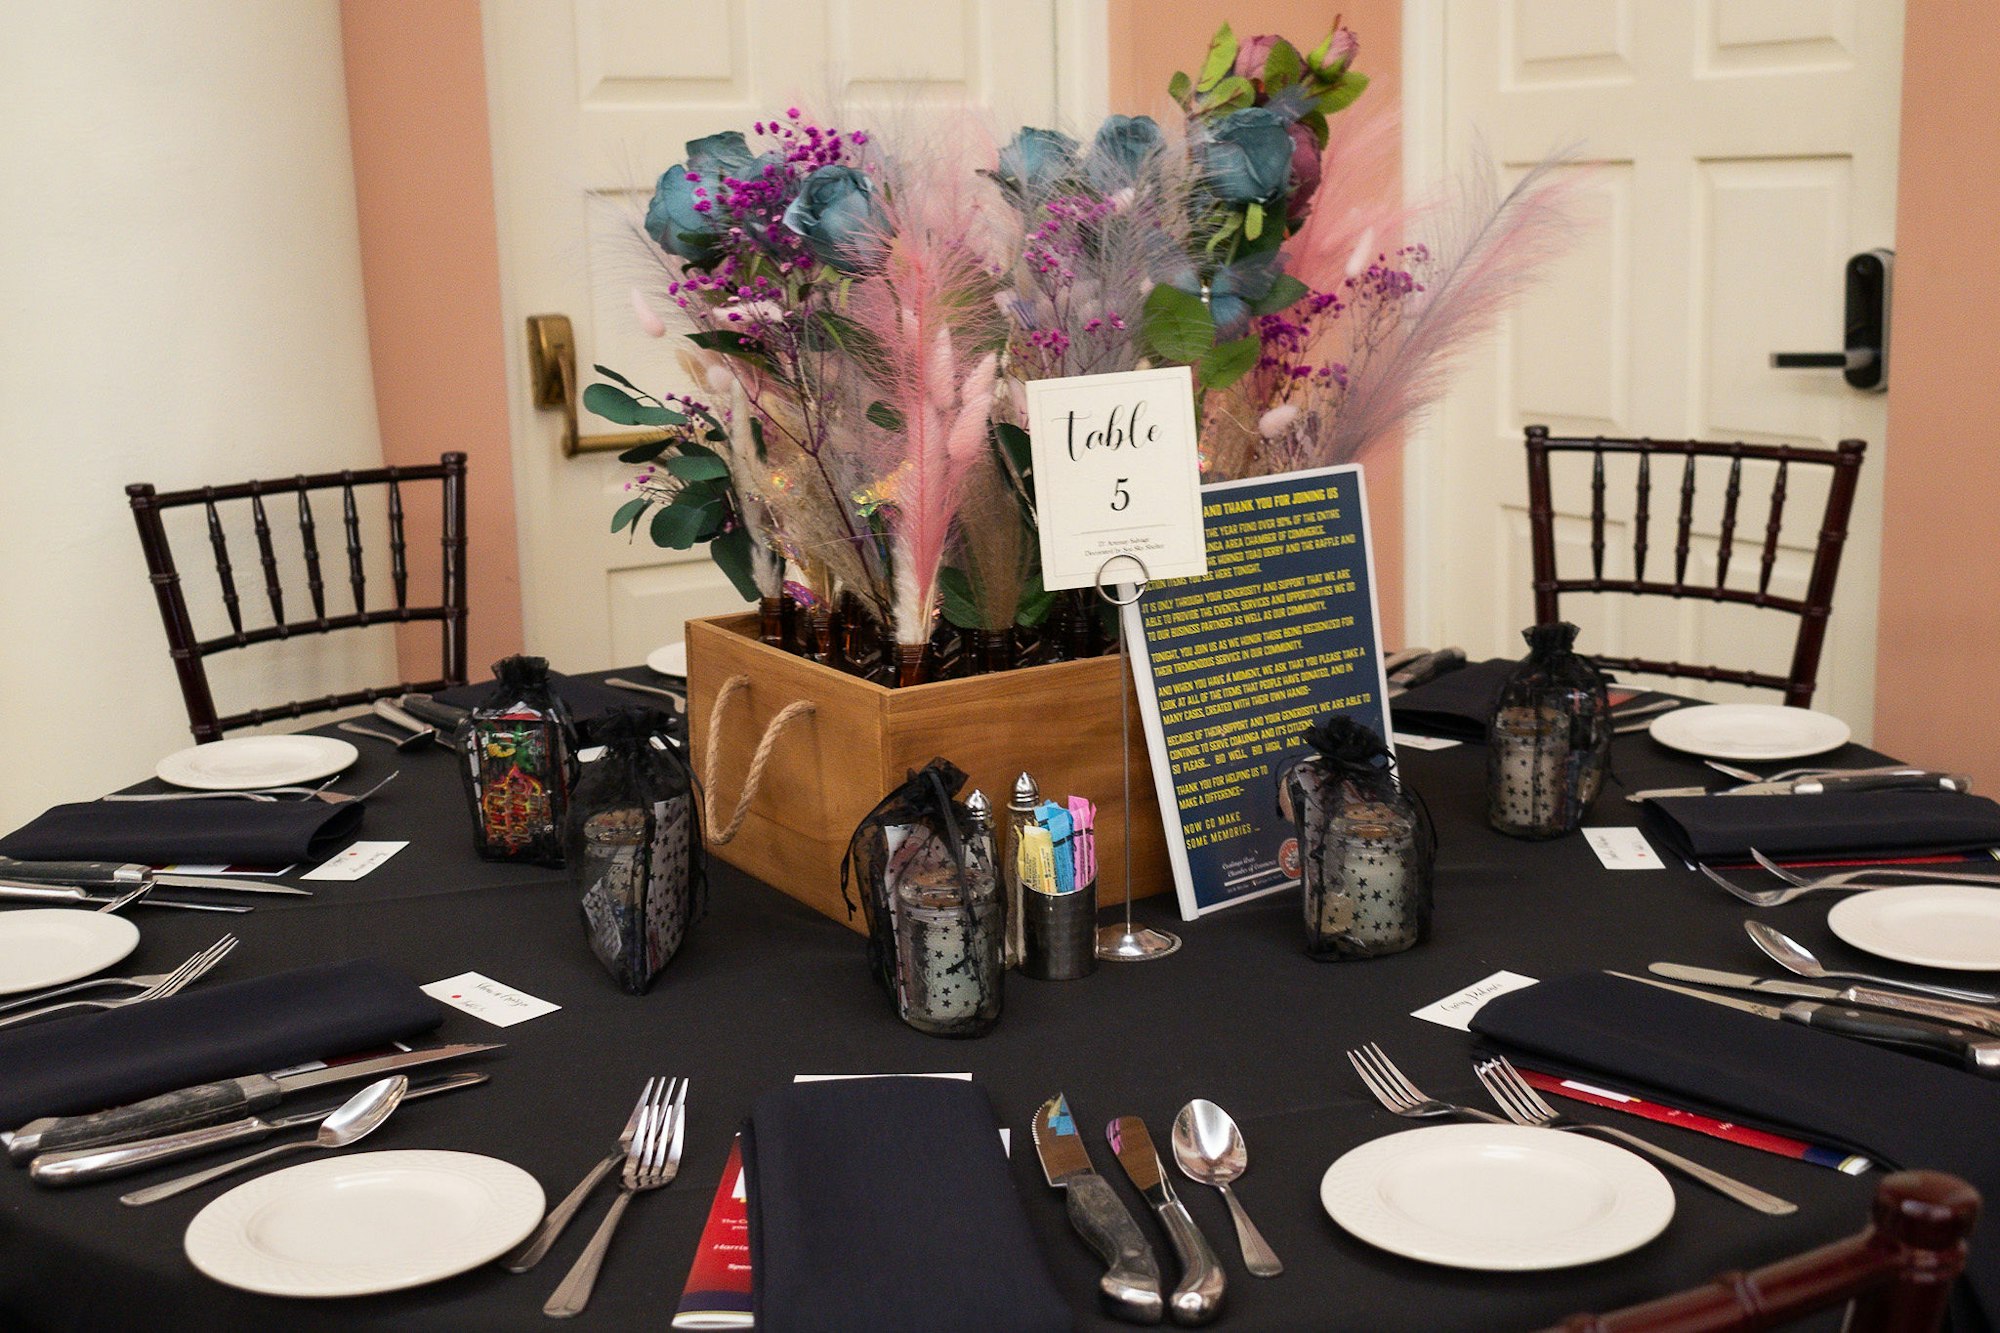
<point x="651" y="1163"/>
<point x="1524" y="1106"/>
<point x="88" y="983"/>
<point x="1845" y="878"/>
<point x="536" y="1247"/>
<point x="1797" y="886"/>
<point x="185" y="975"/>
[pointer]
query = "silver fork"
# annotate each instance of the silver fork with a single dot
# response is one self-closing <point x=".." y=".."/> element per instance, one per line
<point x="1845" y="878"/>
<point x="89" y="983"/>
<point x="651" y="1163"/>
<point x="536" y="1247"/>
<point x="185" y="975"/>
<point x="1524" y="1106"/>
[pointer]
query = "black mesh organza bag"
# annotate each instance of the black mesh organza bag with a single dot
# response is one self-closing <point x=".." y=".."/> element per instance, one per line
<point x="635" y="847"/>
<point x="518" y="747"/>
<point x="1367" y="849"/>
<point x="1548" y="743"/>
<point x="924" y="873"/>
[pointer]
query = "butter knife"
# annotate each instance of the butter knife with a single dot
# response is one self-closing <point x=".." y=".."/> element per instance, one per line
<point x="1198" y="1297"/>
<point x="77" y="1166"/>
<point x="1979" y="1017"/>
<point x="1130" y="1288"/>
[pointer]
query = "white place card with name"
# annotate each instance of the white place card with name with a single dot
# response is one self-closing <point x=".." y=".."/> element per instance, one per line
<point x="483" y="997"/>
<point x="1456" y="1011"/>
<point x="1623" y="849"/>
<point x="1409" y="740"/>
<point x="1117" y="473"/>
<point x="356" y="861"/>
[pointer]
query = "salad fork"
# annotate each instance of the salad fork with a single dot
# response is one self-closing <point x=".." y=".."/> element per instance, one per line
<point x="536" y="1247"/>
<point x="185" y="975"/>
<point x="89" y="983"/>
<point x="651" y="1163"/>
<point x="1524" y="1106"/>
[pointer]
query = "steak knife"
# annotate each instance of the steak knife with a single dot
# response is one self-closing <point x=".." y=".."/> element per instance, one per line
<point x="76" y="1166"/>
<point x="112" y="875"/>
<point x="1978" y="1017"/>
<point x="1131" y="1286"/>
<point x="208" y="1103"/>
<point x="76" y="896"/>
<point x="1893" y="779"/>
<point x="1960" y="1046"/>
<point x="1198" y="1298"/>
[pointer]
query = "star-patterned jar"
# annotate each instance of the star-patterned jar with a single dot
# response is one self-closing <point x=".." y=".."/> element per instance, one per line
<point x="1366" y="852"/>
<point x="1548" y="742"/>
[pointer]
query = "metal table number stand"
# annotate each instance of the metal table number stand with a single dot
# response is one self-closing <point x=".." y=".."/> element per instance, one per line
<point x="1127" y="944"/>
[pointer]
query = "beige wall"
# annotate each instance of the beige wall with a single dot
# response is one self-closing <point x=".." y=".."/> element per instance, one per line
<point x="1940" y="620"/>
<point x="430" y="256"/>
<point x="1149" y="41"/>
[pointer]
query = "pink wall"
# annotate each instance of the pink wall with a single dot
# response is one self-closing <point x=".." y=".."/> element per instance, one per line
<point x="430" y="262"/>
<point x="1149" y="41"/>
<point x="1935" y="700"/>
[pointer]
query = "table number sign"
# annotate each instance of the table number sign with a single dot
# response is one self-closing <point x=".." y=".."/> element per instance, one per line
<point x="1232" y="666"/>
<point x="1116" y="473"/>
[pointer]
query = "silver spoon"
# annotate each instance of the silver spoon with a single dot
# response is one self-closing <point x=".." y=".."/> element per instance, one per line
<point x="1794" y="957"/>
<point x="357" y="1116"/>
<point x="1209" y="1148"/>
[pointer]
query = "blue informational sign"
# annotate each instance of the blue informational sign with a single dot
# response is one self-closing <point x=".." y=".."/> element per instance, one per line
<point x="1234" y="665"/>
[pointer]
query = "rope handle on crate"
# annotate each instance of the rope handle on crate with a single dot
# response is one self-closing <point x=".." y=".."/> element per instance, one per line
<point x="761" y="757"/>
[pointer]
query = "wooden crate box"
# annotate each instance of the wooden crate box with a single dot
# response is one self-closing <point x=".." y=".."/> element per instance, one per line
<point x="1058" y="722"/>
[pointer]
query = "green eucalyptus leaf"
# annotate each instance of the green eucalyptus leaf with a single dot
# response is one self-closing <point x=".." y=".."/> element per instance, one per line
<point x="731" y="553"/>
<point x="1036" y="603"/>
<point x="730" y="343"/>
<point x="1228" y="362"/>
<point x="1221" y="56"/>
<point x="611" y="374"/>
<point x="1020" y="448"/>
<point x="888" y="418"/>
<point x="1253" y="221"/>
<point x="1283" y="66"/>
<point x="1180" y="86"/>
<point x="1349" y="86"/>
<point x="645" y="453"/>
<point x="1316" y="122"/>
<point x="679" y="524"/>
<point x="628" y="514"/>
<point x="694" y="467"/>
<point x="1284" y="292"/>
<point x="614" y="404"/>
<point x="955" y="593"/>
<point x="1177" y="325"/>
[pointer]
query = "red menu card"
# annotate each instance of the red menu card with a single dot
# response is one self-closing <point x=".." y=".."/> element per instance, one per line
<point x="717" y="1294"/>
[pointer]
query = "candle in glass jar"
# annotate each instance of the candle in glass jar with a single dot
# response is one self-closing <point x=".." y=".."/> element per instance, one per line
<point x="1528" y="785"/>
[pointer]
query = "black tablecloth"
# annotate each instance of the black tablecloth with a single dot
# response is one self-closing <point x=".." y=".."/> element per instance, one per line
<point x="765" y="989"/>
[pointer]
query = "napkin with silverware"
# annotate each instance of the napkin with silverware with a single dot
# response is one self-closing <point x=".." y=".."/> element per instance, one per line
<point x="1891" y="823"/>
<point x="1455" y="704"/>
<point x="886" y="1204"/>
<point x="78" y="1064"/>
<point x="585" y="699"/>
<point x="1901" y="1110"/>
<point x="222" y="831"/>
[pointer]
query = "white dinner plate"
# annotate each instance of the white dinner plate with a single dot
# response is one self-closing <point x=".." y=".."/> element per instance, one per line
<point x="1931" y="925"/>
<point x="671" y="660"/>
<point x="1505" y="1198"/>
<point x="245" y="763"/>
<point x="46" y="946"/>
<point x="360" y="1223"/>
<point x="1750" y="731"/>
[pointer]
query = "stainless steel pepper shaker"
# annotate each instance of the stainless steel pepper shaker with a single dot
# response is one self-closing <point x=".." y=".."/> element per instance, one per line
<point x="1020" y="815"/>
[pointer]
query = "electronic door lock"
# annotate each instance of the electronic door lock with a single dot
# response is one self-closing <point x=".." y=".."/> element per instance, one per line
<point x="1865" y="359"/>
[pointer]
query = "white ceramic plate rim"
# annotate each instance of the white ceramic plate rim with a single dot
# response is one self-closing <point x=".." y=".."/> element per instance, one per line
<point x="285" y="761"/>
<point x="1686" y="729"/>
<point x="1643" y="1205"/>
<point x="670" y="660"/>
<point x="218" y="1242"/>
<point x="1858" y="921"/>
<point x="112" y="936"/>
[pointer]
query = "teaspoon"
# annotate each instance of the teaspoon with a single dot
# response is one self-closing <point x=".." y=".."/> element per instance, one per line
<point x="1794" y="957"/>
<point x="1209" y="1149"/>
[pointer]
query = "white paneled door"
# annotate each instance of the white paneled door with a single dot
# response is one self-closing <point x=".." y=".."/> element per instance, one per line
<point x="1739" y="152"/>
<point x="590" y="100"/>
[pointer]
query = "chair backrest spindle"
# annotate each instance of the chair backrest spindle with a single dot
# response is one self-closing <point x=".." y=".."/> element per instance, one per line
<point x="1684" y="533"/>
<point x="350" y="517"/>
<point x="269" y="557"/>
<point x="1597" y="513"/>
<point x="1727" y="539"/>
<point x="309" y="540"/>
<point x="399" y="570"/>
<point x="1642" y="514"/>
<point x="223" y="573"/>
<point x="1772" y="527"/>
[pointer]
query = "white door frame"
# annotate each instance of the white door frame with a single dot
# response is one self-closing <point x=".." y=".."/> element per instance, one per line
<point x="1424" y="165"/>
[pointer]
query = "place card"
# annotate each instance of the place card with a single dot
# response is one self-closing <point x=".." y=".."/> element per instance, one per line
<point x="1407" y="740"/>
<point x="1623" y="849"/>
<point x="1116" y="473"/>
<point x="356" y="861"/>
<point x="485" y="998"/>
<point x="1456" y="1011"/>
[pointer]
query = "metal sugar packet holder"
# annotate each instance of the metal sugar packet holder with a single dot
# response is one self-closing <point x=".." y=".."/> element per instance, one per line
<point x="1129" y="945"/>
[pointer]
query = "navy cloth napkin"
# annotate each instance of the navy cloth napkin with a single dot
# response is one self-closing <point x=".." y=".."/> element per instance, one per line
<point x="886" y="1205"/>
<point x="223" y="831"/>
<point x="86" y="1062"/>
<point x="1456" y="704"/>
<point x="1901" y="1110"/>
<point x="585" y="699"/>
<point x="1909" y="823"/>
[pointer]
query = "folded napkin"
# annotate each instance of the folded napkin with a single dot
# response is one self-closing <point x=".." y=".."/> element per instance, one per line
<point x="585" y="699"/>
<point x="223" y="831"/>
<point x="1456" y="704"/>
<point x="885" y="1204"/>
<point x="1902" y="823"/>
<point x="77" y="1064"/>
<point x="1903" y="1111"/>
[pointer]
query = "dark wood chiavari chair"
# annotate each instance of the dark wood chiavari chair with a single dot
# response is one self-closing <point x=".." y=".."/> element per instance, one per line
<point x="1897" y="1273"/>
<point x="1812" y="609"/>
<point x="188" y="652"/>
